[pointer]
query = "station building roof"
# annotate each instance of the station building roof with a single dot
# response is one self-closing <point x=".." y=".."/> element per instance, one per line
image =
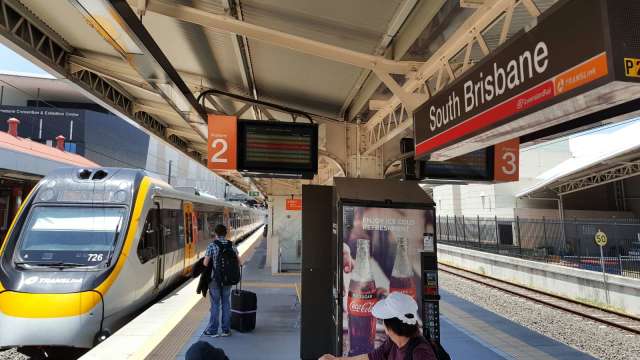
<point x="621" y="161"/>
<point x="24" y="158"/>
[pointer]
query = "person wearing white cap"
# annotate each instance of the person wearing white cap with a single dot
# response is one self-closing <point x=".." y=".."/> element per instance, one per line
<point x="399" y="313"/>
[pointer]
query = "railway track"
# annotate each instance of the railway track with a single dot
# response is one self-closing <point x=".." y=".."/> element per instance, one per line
<point x="607" y="317"/>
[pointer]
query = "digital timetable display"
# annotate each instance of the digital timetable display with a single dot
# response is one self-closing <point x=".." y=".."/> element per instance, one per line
<point x="476" y="165"/>
<point x="281" y="149"/>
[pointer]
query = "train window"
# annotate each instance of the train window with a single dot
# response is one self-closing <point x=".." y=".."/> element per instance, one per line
<point x="213" y="219"/>
<point x="4" y="211"/>
<point x="173" y="226"/>
<point x="77" y="235"/>
<point x="200" y="224"/>
<point x="148" y="245"/>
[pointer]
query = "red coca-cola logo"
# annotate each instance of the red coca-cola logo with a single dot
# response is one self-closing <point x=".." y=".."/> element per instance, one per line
<point x="361" y="304"/>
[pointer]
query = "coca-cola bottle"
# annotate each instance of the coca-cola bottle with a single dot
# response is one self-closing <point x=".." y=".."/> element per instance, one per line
<point x="402" y="279"/>
<point x="361" y="298"/>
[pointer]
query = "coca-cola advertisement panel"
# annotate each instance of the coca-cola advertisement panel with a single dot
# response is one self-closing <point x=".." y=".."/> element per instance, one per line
<point x="381" y="254"/>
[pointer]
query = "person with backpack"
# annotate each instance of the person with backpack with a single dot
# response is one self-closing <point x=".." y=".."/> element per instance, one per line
<point x="399" y="313"/>
<point x="223" y="258"/>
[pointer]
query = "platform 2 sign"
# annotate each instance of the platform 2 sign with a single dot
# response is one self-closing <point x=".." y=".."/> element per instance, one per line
<point x="222" y="144"/>
<point x="552" y="62"/>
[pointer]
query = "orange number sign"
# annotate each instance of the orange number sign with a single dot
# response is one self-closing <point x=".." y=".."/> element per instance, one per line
<point x="223" y="132"/>
<point x="507" y="161"/>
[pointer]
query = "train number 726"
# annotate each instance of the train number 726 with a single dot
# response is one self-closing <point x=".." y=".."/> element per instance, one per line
<point x="95" y="257"/>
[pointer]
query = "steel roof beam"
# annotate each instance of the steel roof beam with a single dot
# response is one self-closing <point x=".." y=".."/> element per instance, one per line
<point x="379" y="128"/>
<point x="421" y="16"/>
<point x="405" y="9"/>
<point x="151" y="63"/>
<point x="241" y="50"/>
<point x="114" y="64"/>
<point x="617" y="173"/>
<point x="218" y="22"/>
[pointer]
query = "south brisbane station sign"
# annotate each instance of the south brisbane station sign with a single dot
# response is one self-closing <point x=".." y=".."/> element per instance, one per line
<point x="573" y="49"/>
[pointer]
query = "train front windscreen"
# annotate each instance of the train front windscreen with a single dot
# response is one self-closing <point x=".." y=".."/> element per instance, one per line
<point x="70" y="236"/>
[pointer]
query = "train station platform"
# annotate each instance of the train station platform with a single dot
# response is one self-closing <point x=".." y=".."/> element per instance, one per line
<point x="277" y="332"/>
<point x="468" y="331"/>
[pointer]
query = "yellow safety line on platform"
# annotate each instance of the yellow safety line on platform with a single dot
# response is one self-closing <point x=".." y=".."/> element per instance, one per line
<point x="152" y="342"/>
<point x="287" y="274"/>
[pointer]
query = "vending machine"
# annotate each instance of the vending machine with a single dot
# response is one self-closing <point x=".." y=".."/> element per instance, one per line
<point x="386" y="243"/>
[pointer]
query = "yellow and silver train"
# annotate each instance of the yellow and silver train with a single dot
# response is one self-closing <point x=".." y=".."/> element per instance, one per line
<point x="91" y="247"/>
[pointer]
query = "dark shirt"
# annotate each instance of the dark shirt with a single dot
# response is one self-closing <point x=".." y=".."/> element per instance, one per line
<point x="390" y="351"/>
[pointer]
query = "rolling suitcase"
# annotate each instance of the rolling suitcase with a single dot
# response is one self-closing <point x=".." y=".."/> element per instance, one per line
<point x="244" y="305"/>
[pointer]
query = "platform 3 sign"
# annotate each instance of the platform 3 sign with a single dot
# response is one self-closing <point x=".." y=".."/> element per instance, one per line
<point x="222" y="144"/>
<point x="558" y="59"/>
<point x="506" y="161"/>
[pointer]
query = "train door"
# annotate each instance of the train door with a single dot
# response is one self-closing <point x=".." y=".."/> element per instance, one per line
<point x="190" y="235"/>
<point x="156" y="223"/>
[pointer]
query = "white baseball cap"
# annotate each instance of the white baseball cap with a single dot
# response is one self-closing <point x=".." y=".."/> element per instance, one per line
<point x="397" y="305"/>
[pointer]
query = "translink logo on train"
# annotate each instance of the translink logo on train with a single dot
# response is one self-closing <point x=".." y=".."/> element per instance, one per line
<point x="489" y="86"/>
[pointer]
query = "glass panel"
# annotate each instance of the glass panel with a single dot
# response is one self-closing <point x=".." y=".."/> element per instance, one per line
<point x="77" y="235"/>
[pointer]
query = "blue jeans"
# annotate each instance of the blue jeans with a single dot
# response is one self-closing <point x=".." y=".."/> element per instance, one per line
<point x="216" y="296"/>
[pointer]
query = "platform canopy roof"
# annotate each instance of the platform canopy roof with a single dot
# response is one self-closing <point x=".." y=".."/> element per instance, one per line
<point x="339" y="61"/>
<point x="576" y="174"/>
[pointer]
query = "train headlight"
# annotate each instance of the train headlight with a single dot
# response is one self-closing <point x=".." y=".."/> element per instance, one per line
<point x="120" y="196"/>
<point x="47" y="195"/>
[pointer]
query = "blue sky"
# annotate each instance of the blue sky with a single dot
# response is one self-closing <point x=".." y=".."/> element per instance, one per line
<point x="10" y="61"/>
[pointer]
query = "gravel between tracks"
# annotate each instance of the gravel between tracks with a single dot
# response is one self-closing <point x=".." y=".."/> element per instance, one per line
<point x="12" y="354"/>
<point x="593" y="338"/>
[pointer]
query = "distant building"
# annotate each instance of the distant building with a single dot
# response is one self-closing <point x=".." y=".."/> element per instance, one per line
<point x="49" y="107"/>
<point x="510" y="200"/>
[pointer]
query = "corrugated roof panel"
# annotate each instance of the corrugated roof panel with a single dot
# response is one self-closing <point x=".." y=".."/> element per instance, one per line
<point x="69" y="23"/>
<point x="308" y="82"/>
<point x="192" y="49"/>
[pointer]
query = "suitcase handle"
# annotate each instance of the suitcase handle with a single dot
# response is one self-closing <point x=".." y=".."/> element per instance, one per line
<point x="240" y="283"/>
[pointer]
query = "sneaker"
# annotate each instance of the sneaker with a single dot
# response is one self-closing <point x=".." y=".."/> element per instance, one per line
<point x="226" y="334"/>
<point x="210" y="333"/>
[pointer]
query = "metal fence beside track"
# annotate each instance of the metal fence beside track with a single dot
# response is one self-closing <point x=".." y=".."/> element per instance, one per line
<point x="568" y="243"/>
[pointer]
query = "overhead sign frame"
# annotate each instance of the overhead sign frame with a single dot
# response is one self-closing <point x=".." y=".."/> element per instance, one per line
<point x="548" y="64"/>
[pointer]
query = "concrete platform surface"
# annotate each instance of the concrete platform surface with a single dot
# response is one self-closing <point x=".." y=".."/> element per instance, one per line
<point x="277" y="333"/>
<point x="469" y="331"/>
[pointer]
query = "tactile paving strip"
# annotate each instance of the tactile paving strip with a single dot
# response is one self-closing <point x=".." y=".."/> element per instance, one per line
<point x="170" y="346"/>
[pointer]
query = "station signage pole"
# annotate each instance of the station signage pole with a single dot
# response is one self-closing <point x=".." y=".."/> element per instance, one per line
<point x="601" y="240"/>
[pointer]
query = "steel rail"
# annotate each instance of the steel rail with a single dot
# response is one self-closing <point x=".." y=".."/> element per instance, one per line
<point x="609" y="317"/>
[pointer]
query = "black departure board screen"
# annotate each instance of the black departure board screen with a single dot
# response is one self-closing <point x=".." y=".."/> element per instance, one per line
<point x="278" y="148"/>
<point x="477" y="165"/>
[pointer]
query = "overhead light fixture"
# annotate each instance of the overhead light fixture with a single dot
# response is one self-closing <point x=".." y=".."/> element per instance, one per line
<point x="99" y="14"/>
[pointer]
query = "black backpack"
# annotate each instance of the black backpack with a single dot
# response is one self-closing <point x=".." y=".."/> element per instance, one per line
<point x="227" y="270"/>
<point x="438" y="350"/>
